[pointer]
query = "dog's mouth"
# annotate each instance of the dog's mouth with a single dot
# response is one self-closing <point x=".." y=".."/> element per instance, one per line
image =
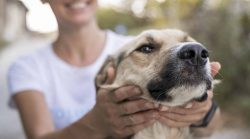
<point x="185" y="76"/>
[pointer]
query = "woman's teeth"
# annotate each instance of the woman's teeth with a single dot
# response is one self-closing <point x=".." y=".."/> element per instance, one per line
<point x="78" y="5"/>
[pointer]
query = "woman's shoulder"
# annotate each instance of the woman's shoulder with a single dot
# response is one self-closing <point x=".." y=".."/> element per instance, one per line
<point x="31" y="58"/>
<point x="24" y="72"/>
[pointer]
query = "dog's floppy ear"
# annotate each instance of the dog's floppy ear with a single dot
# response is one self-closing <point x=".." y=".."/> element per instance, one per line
<point x="102" y="75"/>
<point x="101" y="79"/>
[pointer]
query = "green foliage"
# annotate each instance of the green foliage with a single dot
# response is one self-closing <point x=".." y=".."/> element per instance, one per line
<point x="108" y="18"/>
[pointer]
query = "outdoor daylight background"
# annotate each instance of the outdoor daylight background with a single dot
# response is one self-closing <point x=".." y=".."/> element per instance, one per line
<point x="223" y="26"/>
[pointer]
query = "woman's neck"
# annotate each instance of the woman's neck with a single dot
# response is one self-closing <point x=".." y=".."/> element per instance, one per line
<point x="81" y="46"/>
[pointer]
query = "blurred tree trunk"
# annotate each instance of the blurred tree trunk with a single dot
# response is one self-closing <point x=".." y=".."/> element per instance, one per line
<point x="2" y="16"/>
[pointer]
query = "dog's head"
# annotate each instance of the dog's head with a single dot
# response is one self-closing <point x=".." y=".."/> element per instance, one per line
<point x="169" y="66"/>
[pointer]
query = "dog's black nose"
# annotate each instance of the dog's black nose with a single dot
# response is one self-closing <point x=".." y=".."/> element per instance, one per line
<point x="194" y="54"/>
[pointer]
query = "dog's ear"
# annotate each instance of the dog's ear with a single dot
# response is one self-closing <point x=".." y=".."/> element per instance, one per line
<point x="102" y="76"/>
<point x="101" y="79"/>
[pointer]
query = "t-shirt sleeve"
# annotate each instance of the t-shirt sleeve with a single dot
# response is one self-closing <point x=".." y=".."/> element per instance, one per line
<point x="23" y="75"/>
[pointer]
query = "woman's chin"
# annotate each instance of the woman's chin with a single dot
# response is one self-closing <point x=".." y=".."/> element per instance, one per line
<point x="76" y="22"/>
<point x="84" y="21"/>
<point x="78" y="17"/>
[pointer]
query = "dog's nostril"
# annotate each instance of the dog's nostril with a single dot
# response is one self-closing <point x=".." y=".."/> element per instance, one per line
<point x="204" y="54"/>
<point x="187" y="54"/>
<point x="194" y="54"/>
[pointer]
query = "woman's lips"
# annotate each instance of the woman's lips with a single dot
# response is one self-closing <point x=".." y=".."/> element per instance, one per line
<point x="78" y="5"/>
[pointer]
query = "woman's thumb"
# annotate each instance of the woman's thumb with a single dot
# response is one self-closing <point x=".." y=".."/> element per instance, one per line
<point x="110" y="75"/>
<point x="215" y="67"/>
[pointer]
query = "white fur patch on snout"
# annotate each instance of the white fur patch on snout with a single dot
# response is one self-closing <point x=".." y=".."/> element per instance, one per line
<point x="183" y="94"/>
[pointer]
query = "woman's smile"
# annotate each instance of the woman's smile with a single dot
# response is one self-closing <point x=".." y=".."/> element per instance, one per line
<point x="74" y="13"/>
<point x="78" y="5"/>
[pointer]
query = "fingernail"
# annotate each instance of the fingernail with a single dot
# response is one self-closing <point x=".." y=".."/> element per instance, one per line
<point x="218" y="64"/>
<point x="189" y="105"/>
<point x="164" y="108"/>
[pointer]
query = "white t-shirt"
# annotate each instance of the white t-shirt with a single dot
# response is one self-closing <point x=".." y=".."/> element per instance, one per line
<point x="69" y="91"/>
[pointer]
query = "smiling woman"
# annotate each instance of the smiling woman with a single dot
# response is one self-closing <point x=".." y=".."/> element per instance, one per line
<point x="39" y="14"/>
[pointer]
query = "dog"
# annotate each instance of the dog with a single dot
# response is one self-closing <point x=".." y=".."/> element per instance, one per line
<point x="169" y="66"/>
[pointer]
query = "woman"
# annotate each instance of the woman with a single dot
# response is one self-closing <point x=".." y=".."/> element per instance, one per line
<point x="53" y="88"/>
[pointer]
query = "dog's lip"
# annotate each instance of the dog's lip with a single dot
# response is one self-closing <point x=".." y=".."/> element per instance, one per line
<point x="202" y="98"/>
<point x="160" y="93"/>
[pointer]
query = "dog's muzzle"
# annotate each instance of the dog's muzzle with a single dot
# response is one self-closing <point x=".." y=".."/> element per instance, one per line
<point x="187" y="67"/>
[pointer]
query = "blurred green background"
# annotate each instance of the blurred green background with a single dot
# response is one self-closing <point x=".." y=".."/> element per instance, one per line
<point x="223" y="26"/>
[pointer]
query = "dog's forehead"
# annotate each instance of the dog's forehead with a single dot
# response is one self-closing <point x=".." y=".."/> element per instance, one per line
<point x="167" y="37"/>
<point x="164" y="36"/>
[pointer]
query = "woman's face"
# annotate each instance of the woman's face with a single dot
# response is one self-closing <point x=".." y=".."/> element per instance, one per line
<point x="73" y="12"/>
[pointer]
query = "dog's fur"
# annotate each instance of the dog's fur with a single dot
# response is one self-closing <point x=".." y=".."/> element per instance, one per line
<point x="163" y="78"/>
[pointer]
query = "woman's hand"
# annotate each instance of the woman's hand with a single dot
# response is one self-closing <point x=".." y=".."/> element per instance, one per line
<point x="191" y="113"/>
<point x="114" y="115"/>
<point x="184" y="116"/>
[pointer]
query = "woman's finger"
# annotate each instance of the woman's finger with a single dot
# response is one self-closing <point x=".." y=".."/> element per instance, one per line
<point x="196" y="108"/>
<point x="215" y="67"/>
<point x="192" y="118"/>
<point x="134" y="106"/>
<point x="125" y="93"/>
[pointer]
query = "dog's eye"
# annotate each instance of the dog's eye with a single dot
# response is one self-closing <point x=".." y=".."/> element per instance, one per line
<point x="146" y="48"/>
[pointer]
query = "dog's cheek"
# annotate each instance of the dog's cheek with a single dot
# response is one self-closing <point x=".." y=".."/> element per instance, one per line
<point x="140" y="59"/>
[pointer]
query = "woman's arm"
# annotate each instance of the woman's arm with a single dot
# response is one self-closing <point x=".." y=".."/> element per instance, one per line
<point x="36" y="119"/>
<point x="34" y="113"/>
<point x="111" y="116"/>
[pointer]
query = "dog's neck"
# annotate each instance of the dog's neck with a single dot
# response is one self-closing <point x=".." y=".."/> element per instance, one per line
<point x="161" y="131"/>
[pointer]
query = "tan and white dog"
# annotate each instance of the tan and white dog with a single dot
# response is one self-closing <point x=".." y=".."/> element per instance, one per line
<point x="171" y="69"/>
